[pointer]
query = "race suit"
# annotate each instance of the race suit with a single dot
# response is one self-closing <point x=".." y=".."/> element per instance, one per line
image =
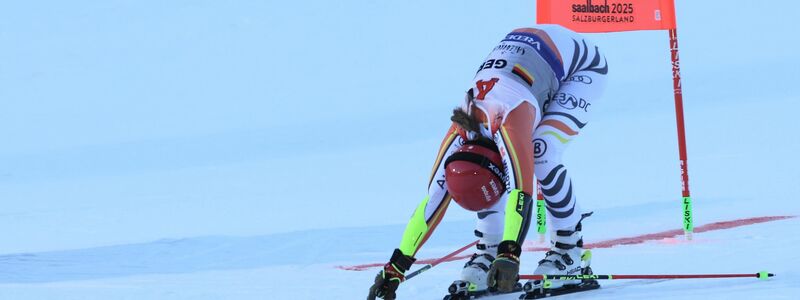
<point x="533" y="94"/>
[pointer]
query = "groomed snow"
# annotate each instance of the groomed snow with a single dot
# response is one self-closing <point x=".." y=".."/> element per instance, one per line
<point x="210" y="150"/>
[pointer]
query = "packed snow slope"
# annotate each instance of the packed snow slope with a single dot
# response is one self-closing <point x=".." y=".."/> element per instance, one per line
<point x="246" y="149"/>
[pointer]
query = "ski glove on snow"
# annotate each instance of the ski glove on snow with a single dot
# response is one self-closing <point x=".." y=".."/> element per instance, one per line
<point x="391" y="276"/>
<point x="504" y="273"/>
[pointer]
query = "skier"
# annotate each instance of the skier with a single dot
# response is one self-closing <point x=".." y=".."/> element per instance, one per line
<point x="530" y="98"/>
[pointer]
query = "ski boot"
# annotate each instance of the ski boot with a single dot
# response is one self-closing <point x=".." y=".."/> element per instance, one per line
<point x="473" y="283"/>
<point x="537" y="289"/>
<point x="473" y="277"/>
<point x="564" y="258"/>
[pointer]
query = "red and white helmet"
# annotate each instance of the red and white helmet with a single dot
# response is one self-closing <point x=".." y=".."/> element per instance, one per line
<point x="474" y="175"/>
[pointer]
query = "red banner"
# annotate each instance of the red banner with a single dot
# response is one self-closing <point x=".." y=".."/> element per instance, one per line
<point x="607" y="15"/>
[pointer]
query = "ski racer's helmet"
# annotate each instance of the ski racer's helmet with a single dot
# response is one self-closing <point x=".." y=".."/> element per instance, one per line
<point x="474" y="175"/>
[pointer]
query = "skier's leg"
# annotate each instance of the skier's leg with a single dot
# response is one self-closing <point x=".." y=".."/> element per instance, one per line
<point x="504" y="220"/>
<point x="566" y="114"/>
<point x="489" y="232"/>
<point x="513" y="140"/>
<point x="509" y="218"/>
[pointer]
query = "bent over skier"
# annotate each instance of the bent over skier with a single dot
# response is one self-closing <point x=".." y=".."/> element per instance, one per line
<point x="530" y="98"/>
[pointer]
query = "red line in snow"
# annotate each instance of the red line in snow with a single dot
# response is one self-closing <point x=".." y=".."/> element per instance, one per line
<point x="613" y="242"/>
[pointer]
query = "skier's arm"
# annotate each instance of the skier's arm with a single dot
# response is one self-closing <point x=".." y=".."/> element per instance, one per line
<point x="430" y="211"/>
<point x="419" y="227"/>
<point x="518" y="216"/>
<point x="426" y="217"/>
<point x="514" y="140"/>
<point x="514" y="137"/>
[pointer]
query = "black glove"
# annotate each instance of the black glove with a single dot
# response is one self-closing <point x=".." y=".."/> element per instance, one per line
<point x="504" y="273"/>
<point x="391" y="276"/>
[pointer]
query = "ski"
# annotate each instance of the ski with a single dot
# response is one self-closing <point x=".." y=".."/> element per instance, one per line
<point x="535" y="289"/>
<point x="538" y="288"/>
<point x="538" y="293"/>
<point x="469" y="295"/>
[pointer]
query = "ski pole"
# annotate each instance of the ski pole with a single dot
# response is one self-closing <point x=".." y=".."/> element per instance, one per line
<point x="440" y="260"/>
<point x="426" y="267"/>
<point x="759" y="275"/>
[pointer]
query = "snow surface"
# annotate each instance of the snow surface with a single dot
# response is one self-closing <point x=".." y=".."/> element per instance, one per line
<point x="238" y="150"/>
